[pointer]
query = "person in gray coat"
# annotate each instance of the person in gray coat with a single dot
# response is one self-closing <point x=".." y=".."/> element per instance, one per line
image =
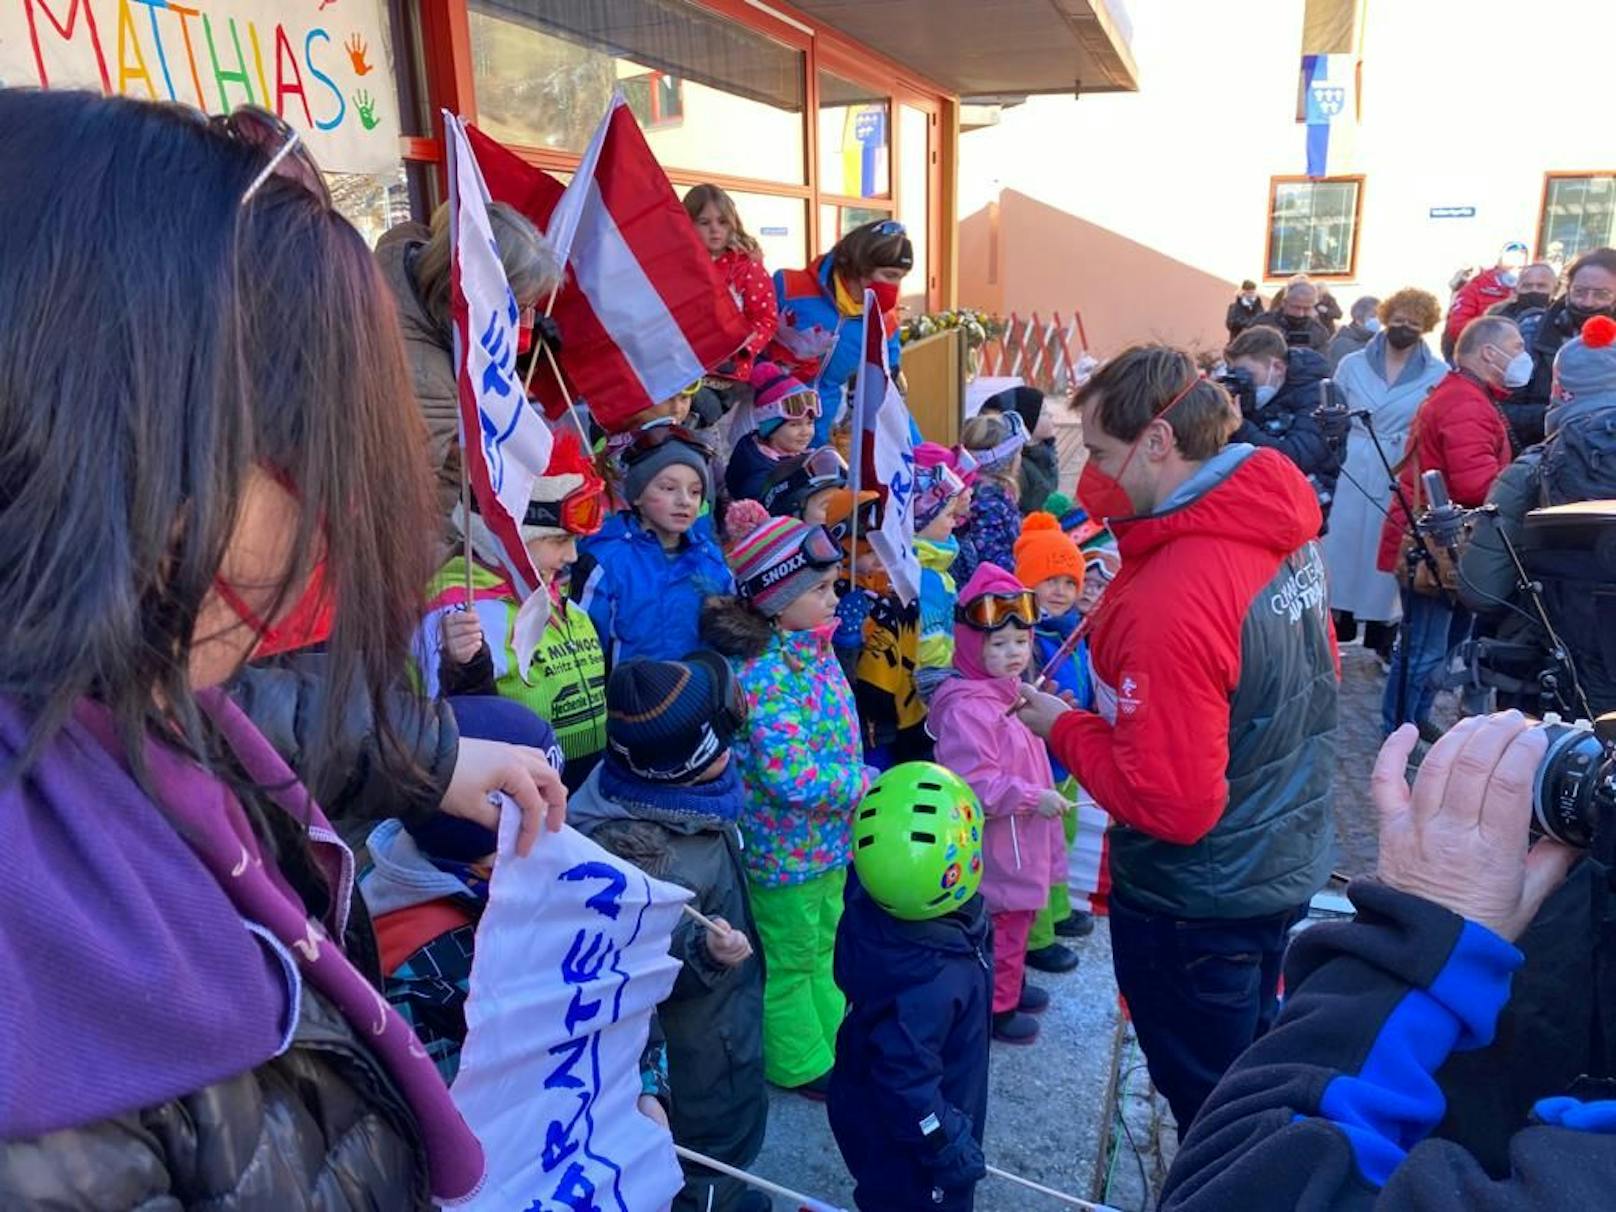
<point x="1365" y="324"/>
<point x="1389" y="379"/>
<point x="666" y="798"/>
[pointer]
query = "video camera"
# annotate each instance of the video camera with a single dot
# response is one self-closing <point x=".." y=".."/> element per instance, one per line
<point x="1574" y="793"/>
<point x="1241" y="386"/>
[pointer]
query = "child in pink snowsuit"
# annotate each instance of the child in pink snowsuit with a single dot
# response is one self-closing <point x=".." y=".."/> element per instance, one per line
<point x="1023" y="845"/>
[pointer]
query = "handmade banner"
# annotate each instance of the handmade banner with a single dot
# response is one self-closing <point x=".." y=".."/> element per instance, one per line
<point x="326" y="68"/>
<point x="884" y="456"/>
<point x="571" y="958"/>
<point x="503" y="440"/>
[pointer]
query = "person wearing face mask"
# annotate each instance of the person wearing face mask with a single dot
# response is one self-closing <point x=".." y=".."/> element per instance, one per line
<point x="1486" y="289"/>
<point x="1245" y="309"/>
<point x="1298" y="319"/>
<point x="1288" y="402"/>
<point x="1388" y="381"/>
<point x="1365" y="324"/>
<point x="1590" y="291"/>
<point x="1215" y="681"/>
<point x="1460" y="432"/>
<point x="822" y="306"/>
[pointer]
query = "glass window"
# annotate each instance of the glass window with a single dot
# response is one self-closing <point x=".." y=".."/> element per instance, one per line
<point x="1579" y="213"/>
<point x="854" y="148"/>
<point x="836" y="221"/>
<point x="712" y="96"/>
<point x="1313" y="227"/>
<point x="780" y="225"/>
<point x="372" y="204"/>
<point x="914" y="189"/>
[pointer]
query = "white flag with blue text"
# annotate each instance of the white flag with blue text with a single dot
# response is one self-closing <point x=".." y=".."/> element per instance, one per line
<point x="884" y="456"/>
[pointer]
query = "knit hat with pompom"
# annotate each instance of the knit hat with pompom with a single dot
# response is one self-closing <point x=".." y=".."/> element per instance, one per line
<point x="1044" y="550"/>
<point x="772" y="386"/>
<point x="771" y="557"/>
<point x="1585" y="369"/>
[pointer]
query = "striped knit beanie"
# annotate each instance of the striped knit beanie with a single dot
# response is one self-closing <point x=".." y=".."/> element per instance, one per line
<point x="772" y="570"/>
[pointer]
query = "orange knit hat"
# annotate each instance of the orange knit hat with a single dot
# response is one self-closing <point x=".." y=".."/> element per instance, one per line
<point x="1044" y="550"/>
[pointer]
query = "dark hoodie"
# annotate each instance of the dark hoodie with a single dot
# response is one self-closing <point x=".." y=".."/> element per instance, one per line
<point x="713" y="1019"/>
<point x="1215" y="677"/>
<point x="1307" y="422"/>
<point x="914" y="1044"/>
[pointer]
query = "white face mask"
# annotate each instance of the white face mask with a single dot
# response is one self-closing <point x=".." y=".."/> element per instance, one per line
<point x="1509" y="277"/>
<point x="1518" y="373"/>
<point x="1372" y="324"/>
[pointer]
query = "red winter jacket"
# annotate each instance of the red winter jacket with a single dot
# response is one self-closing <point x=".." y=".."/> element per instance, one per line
<point x="753" y="291"/>
<point x="1459" y="431"/>
<point x="1216" y="682"/>
<point x="1472" y="300"/>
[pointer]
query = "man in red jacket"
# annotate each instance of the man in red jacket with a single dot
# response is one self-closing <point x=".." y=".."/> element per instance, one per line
<point x="1484" y="291"/>
<point x="1460" y="431"/>
<point x="1215" y="679"/>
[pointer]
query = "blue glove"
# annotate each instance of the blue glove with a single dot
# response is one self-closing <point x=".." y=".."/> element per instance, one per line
<point x="952" y="1156"/>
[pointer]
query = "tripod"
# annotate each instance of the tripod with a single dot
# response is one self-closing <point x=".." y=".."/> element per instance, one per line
<point x="1419" y="554"/>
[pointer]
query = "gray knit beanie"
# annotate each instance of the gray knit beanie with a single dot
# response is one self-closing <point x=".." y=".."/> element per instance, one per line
<point x="674" y="451"/>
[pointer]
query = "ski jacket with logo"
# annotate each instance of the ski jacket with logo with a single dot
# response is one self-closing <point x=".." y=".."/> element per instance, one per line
<point x="1215" y="677"/>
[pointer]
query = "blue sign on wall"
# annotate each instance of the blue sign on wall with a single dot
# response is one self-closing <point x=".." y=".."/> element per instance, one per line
<point x="1453" y="212"/>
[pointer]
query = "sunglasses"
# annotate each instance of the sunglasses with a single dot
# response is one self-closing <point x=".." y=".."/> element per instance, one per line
<point x="820" y="550"/>
<point x="262" y="132"/>
<point x="659" y="433"/>
<point x="993" y="611"/>
<point x="581" y="512"/>
<point x="890" y="227"/>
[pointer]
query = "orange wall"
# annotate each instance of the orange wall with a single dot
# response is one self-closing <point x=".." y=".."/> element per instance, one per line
<point x="1034" y="257"/>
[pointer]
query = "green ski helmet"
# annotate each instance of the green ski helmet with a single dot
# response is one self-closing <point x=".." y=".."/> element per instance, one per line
<point x="917" y="841"/>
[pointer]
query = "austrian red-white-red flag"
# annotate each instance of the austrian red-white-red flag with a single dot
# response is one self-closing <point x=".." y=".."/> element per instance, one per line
<point x="642" y="314"/>
<point x="884" y="456"/>
<point x="504" y="441"/>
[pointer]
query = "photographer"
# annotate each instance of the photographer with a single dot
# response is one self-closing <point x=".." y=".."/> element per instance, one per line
<point x="1577" y="462"/>
<point x="1288" y="402"/>
<point x="1335" y="1108"/>
<point x="1299" y="317"/>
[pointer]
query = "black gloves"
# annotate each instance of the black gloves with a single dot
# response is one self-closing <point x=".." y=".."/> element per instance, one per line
<point x="951" y="1154"/>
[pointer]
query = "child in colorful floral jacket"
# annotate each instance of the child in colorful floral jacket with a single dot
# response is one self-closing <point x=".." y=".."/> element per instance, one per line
<point x="800" y="759"/>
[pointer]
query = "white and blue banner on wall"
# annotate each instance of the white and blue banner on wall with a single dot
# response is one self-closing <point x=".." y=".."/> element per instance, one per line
<point x="1330" y="106"/>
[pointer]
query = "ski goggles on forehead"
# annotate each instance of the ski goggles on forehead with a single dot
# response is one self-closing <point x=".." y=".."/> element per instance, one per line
<point x="819" y="551"/>
<point x="993" y="611"/>
<point x="658" y="434"/>
<point x="582" y="511"/>
<point x="824" y="464"/>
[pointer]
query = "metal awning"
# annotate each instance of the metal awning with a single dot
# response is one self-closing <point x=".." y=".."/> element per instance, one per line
<point x="995" y="48"/>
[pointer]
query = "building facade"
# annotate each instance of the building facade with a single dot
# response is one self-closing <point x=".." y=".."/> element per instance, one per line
<point x="1475" y="123"/>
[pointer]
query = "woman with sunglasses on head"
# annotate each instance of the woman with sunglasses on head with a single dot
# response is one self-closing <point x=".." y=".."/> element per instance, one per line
<point x="643" y="577"/>
<point x="1023" y="842"/>
<point x="822" y="307"/>
<point x="468" y="645"/>
<point x="415" y="263"/>
<point x="798" y="755"/>
<point x="161" y="508"/>
<point x="784" y="413"/>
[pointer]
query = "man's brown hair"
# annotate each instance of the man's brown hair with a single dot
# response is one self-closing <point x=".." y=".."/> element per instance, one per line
<point x="1133" y="388"/>
<point x="1258" y="341"/>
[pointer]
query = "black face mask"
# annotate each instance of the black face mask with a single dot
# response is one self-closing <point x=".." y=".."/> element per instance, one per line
<point x="1580" y="315"/>
<point x="1297" y="322"/>
<point x="1402" y="336"/>
<point x="1531" y="299"/>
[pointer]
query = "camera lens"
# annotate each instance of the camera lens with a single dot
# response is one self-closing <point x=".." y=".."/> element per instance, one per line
<point x="1566" y="792"/>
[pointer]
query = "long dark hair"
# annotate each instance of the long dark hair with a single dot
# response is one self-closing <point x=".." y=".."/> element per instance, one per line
<point x="158" y="340"/>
